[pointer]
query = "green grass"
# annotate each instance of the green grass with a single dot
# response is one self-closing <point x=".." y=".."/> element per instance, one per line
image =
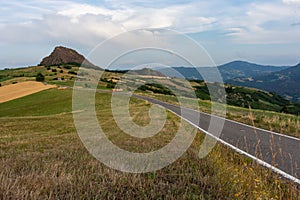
<point x="48" y="102"/>
<point x="68" y="83"/>
<point x="42" y="157"/>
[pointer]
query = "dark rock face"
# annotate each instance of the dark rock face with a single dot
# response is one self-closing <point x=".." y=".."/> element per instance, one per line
<point x="63" y="55"/>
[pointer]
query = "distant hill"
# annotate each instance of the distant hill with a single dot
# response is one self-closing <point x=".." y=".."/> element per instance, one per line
<point x="245" y="69"/>
<point x="285" y="82"/>
<point x="228" y="71"/>
<point x="63" y="55"/>
<point x="146" y="72"/>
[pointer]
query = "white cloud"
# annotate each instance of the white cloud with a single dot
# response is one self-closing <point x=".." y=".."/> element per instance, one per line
<point x="59" y="20"/>
<point x="264" y="23"/>
<point x="291" y="1"/>
<point x="88" y="24"/>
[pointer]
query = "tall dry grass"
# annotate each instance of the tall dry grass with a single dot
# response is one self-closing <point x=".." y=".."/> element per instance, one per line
<point x="43" y="158"/>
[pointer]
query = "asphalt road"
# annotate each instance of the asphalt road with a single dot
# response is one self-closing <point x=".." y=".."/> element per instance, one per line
<point x="273" y="150"/>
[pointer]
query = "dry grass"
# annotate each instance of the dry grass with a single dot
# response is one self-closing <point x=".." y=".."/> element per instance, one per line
<point x="43" y="158"/>
<point x="14" y="91"/>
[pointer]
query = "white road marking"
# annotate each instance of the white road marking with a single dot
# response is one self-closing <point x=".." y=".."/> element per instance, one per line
<point x="261" y="162"/>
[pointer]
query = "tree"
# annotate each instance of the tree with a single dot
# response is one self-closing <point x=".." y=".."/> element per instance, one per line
<point x="40" y="77"/>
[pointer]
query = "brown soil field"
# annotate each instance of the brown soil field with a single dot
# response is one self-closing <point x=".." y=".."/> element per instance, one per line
<point x="14" y="91"/>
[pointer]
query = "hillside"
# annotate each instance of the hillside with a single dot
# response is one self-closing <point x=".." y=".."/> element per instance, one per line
<point x="64" y="75"/>
<point x="285" y="82"/>
<point x="228" y="71"/>
<point x="249" y="97"/>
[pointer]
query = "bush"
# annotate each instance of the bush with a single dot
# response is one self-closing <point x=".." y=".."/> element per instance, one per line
<point x="40" y="77"/>
<point x="54" y="70"/>
<point x="67" y="66"/>
<point x="110" y="85"/>
<point x="72" y="72"/>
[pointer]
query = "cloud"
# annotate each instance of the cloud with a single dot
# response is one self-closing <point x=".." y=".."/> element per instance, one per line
<point x="58" y="20"/>
<point x="291" y="1"/>
<point x="264" y="23"/>
<point x="84" y="23"/>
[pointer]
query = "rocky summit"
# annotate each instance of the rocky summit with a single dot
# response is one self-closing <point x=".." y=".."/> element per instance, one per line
<point x="63" y="55"/>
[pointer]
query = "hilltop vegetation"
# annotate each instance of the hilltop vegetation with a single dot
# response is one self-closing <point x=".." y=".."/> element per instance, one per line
<point x="63" y="73"/>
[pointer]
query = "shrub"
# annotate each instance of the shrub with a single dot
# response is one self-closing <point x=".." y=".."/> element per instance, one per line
<point x="40" y="77"/>
<point x="72" y="72"/>
<point x="67" y="66"/>
<point x="110" y="85"/>
<point x="54" y="70"/>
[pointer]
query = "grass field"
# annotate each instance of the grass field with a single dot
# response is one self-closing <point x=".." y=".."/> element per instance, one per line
<point x="44" y="103"/>
<point x="14" y="91"/>
<point x="42" y="157"/>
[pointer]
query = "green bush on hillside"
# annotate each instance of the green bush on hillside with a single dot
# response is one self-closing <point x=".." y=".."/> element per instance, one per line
<point x="40" y="77"/>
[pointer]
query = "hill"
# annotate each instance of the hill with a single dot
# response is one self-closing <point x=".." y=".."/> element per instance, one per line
<point x="245" y="69"/>
<point x="146" y="72"/>
<point x="285" y="82"/>
<point x="228" y="71"/>
<point x="63" y="55"/>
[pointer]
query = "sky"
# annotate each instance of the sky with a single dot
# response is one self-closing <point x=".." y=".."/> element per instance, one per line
<point x="260" y="31"/>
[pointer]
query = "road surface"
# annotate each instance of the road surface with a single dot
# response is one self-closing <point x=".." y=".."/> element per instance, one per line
<point x="276" y="151"/>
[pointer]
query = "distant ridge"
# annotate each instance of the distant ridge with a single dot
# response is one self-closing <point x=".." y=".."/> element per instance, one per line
<point x="285" y="82"/>
<point x="231" y="70"/>
<point x="63" y="55"/>
<point x="239" y="68"/>
<point x="146" y="72"/>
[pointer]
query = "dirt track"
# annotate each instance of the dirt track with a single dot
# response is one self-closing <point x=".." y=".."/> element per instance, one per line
<point x="14" y="91"/>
